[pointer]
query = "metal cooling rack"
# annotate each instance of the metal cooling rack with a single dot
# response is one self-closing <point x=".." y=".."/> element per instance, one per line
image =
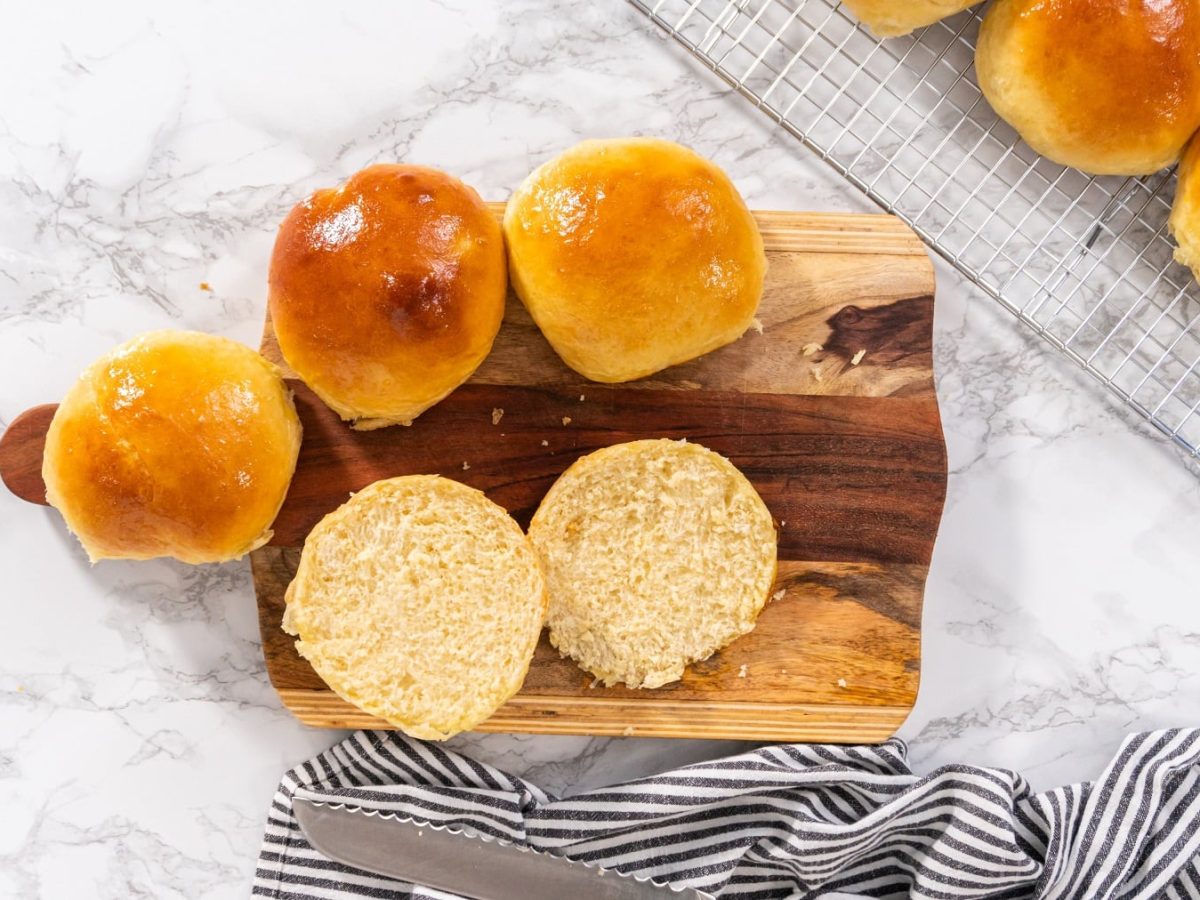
<point x="1085" y="262"/>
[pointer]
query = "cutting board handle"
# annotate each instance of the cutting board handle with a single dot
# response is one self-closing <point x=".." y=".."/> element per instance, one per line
<point x="21" y="448"/>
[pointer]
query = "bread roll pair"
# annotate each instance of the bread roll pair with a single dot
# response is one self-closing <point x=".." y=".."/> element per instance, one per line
<point x="1110" y="87"/>
<point x="420" y="600"/>
<point x="631" y="256"/>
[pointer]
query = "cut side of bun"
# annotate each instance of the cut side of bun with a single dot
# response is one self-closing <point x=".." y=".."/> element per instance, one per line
<point x="419" y="601"/>
<point x="657" y="554"/>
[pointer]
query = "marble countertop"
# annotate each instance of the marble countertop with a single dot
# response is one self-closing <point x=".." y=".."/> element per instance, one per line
<point x="148" y="148"/>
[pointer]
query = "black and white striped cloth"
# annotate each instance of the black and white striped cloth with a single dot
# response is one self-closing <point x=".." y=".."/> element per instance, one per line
<point x="805" y="821"/>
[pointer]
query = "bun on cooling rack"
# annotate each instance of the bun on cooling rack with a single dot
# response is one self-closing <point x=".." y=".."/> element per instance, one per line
<point x="633" y="255"/>
<point x="657" y="554"/>
<point x="387" y="292"/>
<point x="1111" y="87"/>
<point x="419" y="601"/>
<point x="1185" y="212"/>
<point x="174" y="444"/>
<point x="891" y="18"/>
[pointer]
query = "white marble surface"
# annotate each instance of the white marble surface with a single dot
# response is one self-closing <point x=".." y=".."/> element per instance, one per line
<point x="146" y="148"/>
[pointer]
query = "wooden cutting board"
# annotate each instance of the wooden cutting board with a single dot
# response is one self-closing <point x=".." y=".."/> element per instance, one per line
<point x="831" y="413"/>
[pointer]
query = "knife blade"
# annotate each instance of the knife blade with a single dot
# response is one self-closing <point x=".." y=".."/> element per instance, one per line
<point x="459" y="862"/>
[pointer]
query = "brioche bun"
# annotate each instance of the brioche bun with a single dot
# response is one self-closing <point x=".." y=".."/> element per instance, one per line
<point x="387" y="292"/>
<point x="633" y="255"/>
<point x="1110" y="87"/>
<point x="174" y="444"/>
<point x="892" y="18"/>
<point x="1185" y="211"/>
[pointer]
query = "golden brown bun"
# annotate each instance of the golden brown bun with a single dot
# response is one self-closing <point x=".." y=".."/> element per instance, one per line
<point x="1185" y="213"/>
<point x="657" y="554"/>
<point x="890" y="18"/>
<point x="386" y="293"/>
<point x="1111" y="87"/>
<point x="633" y="255"/>
<point x="420" y="601"/>
<point x="174" y="444"/>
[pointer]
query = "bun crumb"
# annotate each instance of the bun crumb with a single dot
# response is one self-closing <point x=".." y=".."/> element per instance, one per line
<point x="419" y="601"/>
<point x="657" y="554"/>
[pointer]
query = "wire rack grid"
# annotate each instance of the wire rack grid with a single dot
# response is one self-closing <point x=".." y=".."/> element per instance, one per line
<point x="1086" y="262"/>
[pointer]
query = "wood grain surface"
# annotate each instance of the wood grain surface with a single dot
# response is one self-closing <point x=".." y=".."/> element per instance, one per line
<point x="829" y="410"/>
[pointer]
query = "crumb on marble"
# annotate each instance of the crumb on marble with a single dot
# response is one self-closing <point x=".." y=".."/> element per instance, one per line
<point x="205" y="286"/>
<point x="497" y="415"/>
<point x="811" y="348"/>
<point x="857" y="357"/>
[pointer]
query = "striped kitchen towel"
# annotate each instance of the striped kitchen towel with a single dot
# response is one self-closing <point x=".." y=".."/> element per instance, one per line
<point x="803" y="821"/>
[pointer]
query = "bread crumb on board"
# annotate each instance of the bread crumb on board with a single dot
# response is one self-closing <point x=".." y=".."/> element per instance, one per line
<point x="497" y="415"/>
<point x="857" y="357"/>
<point x="545" y="443"/>
<point x="811" y="348"/>
<point x="466" y="465"/>
<point x="742" y="669"/>
<point x="779" y="594"/>
<point x="566" y="420"/>
<point x="628" y="731"/>
<point x="816" y="373"/>
<point x="841" y="682"/>
<point x="582" y="397"/>
<point x="757" y="325"/>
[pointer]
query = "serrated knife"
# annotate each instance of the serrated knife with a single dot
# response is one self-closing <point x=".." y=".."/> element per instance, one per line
<point x="462" y="863"/>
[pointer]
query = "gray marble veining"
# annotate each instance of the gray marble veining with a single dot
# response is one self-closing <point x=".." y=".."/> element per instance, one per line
<point x="147" y="149"/>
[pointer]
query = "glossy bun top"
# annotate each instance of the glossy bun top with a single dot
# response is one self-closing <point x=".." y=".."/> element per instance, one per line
<point x="387" y="292"/>
<point x="174" y="444"/>
<point x="633" y="255"/>
<point x="1111" y="87"/>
